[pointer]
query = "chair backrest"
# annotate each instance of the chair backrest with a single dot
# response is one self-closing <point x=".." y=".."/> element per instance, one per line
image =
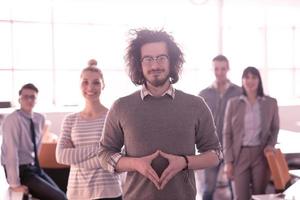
<point x="5" y="104"/>
<point x="279" y="169"/>
<point x="47" y="156"/>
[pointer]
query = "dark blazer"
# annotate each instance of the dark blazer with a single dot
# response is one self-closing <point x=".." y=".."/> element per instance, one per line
<point x="234" y="125"/>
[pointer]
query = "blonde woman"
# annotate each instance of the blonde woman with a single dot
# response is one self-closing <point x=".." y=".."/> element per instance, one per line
<point x="78" y="143"/>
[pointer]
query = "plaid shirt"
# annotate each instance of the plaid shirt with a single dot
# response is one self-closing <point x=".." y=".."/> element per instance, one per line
<point x="170" y="91"/>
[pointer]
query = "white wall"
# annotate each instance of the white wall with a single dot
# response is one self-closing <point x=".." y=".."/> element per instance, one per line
<point x="290" y="117"/>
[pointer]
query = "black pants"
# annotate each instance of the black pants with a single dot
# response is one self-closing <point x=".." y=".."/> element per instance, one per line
<point x="40" y="185"/>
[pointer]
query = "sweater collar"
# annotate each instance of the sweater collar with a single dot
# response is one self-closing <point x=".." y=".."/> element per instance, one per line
<point x="170" y="92"/>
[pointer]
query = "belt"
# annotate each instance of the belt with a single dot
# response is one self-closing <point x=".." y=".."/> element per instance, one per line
<point x="27" y="165"/>
<point x="250" y="146"/>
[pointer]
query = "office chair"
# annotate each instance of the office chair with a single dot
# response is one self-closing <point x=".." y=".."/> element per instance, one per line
<point x="5" y="104"/>
<point x="47" y="156"/>
<point x="58" y="172"/>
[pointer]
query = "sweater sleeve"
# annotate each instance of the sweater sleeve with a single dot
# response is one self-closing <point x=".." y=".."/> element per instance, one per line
<point x="206" y="136"/>
<point x="112" y="140"/>
<point x="66" y="152"/>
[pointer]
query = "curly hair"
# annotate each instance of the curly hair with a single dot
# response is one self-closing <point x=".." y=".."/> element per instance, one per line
<point x="133" y="55"/>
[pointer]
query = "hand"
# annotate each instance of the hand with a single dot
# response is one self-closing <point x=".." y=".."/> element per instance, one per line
<point x="228" y="169"/>
<point x="268" y="149"/>
<point x="143" y="166"/>
<point x="176" y="164"/>
<point x="21" y="188"/>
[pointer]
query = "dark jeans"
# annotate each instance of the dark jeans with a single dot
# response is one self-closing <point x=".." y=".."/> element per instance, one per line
<point x="40" y="185"/>
<point x="210" y="182"/>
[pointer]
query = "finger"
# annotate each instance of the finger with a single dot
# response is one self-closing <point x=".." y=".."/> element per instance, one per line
<point x="166" y="179"/>
<point x="26" y="191"/>
<point x="153" y="174"/>
<point x="165" y="174"/>
<point x="165" y="155"/>
<point x="154" y="155"/>
<point x="154" y="179"/>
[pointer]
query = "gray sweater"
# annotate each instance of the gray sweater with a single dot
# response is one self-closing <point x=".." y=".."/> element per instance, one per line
<point x="174" y="126"/>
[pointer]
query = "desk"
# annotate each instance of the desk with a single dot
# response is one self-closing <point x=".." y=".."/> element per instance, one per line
<point x="278" y="196"/>
<point x="295" y="172"/>
<point x="292" y="192"/>
<point x="288" y="142"/>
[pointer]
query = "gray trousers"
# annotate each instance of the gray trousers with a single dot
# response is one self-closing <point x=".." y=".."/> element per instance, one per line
<point x="251" y="173"/>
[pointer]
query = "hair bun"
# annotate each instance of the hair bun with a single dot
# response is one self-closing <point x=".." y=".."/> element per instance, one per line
<point x="92" y="62"/>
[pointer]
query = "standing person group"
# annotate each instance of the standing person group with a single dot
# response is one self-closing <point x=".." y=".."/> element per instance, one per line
<point x="78" y="144"/>
<point x="216" y="97"/>
<point x="151" y="134"/>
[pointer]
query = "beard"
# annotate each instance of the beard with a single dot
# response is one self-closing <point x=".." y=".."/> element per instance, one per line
<point x="157" y="82"/>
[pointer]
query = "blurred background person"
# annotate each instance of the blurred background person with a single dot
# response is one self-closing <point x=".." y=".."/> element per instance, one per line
<point x="251" y="127"/>
<point x="216" y="96"/>
<point x="22" y="135"/>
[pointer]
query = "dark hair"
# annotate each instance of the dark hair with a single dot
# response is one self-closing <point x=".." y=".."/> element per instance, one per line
<point x="92" y="67"/>
<point x="254" y="72"/>
<point x="221" y="58"/>
<point x="133" y="55"/>
<point x="29" y="86"/>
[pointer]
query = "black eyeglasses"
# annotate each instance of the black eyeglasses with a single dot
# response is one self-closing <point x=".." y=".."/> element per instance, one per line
<point x="28" y="97"/>
<point x="160" y="59"/>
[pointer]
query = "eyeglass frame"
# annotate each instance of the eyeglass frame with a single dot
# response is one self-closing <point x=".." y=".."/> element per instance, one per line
<point x="156" y="59"/>
<point x="28" y="97"/>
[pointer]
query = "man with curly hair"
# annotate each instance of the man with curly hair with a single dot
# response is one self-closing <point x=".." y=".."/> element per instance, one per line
<point x="158" y="125"/>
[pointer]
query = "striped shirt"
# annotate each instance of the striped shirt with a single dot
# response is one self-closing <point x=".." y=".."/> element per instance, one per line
<point x="78" y="146"/>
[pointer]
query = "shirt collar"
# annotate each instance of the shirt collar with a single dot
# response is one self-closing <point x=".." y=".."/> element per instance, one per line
<point x="244" y="98"/>
<point x="170" y="92"/>
<point x="215" y="86"/>
<point x="25" y="114"/>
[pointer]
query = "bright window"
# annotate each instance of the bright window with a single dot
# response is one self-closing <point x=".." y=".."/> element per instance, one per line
<point x="49" y="42"/>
